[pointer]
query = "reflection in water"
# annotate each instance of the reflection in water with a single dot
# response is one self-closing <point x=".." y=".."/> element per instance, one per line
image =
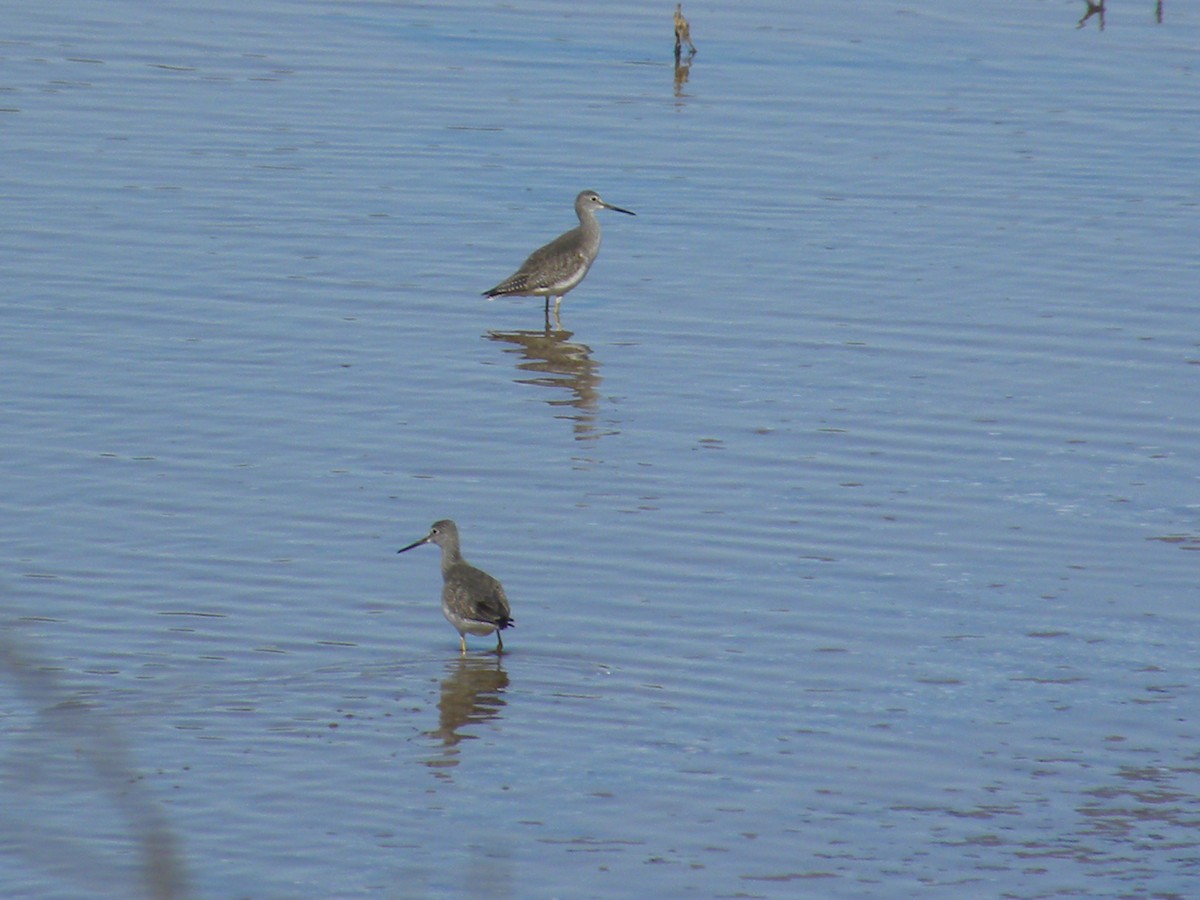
<point x="472" y="693"/>
<point x="559" y="363"/>
<point x="682" y="71"/>
<point x="67" y="759"/>
<point x="1119" y="823"/>
<point x="1119" y="819"/>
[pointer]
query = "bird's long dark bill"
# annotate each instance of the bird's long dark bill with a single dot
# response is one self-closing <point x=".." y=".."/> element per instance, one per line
<point x="423" y="540"/>
<point x="618" y="209"/>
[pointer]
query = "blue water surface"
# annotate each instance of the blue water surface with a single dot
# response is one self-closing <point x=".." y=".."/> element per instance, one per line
<point x="849" y="514"/>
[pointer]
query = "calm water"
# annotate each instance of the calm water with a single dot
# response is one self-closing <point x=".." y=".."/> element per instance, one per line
<point x="851" y="517"/>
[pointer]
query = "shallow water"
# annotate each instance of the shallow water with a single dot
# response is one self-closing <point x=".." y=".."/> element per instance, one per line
<point x="849" y="517"/>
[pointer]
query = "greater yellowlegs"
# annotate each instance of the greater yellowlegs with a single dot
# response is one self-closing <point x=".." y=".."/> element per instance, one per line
<point x="472" y="600"/>
<point x="683" y="32"/>
<point x="553" y="270"/>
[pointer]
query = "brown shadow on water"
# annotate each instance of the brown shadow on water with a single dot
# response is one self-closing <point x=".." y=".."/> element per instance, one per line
<point x="550" y="359"/>
<point x="471" y="693"/>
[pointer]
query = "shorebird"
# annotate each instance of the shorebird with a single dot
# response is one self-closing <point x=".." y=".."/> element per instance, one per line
<point x="472" y="600"/>
<point x="556" y="268"/>
<point x="683" y="31"/>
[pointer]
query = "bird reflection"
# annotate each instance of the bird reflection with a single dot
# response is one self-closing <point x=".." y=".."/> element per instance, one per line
<point x="682" y="70"/>
<point x="555" y="361"/>
<point x="472" y="693"/>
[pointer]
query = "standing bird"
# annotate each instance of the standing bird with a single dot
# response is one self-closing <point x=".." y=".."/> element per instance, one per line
<point x="683" y="31"/>
<point x="472" y="600"/>
<point x="553" y="270"/>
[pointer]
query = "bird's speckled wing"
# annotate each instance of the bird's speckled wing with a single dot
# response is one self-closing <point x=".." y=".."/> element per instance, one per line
<point x="545" y="267"/>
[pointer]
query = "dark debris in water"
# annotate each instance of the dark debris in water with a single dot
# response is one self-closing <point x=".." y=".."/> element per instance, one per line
<point x="1184" y="541"/>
